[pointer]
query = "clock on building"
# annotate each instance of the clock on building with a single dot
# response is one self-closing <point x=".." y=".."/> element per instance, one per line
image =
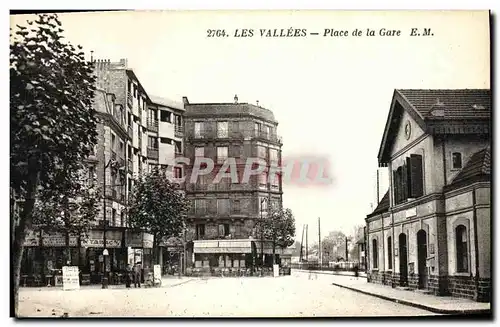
<point x="407" y="129"/>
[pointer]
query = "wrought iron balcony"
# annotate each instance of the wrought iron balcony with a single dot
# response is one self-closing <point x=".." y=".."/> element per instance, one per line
<point x="153" y="125"/>
<point x="153" y="153"/>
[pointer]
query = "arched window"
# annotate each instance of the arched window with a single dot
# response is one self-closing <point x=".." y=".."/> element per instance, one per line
<point x="461" y="247"/>
<point x="375" y="253"/>
<point x="389" y="251"/>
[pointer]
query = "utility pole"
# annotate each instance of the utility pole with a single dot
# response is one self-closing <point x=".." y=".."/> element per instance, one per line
<point x="346" y="251"/>
<point x="302" y="245"/>
<point x="320" y="256"/>
<point x="307" y="246"/>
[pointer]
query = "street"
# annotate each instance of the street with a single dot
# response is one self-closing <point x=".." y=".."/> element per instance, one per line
<point x="286" y="296"/>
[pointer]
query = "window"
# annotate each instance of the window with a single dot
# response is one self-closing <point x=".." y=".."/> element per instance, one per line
<point x="165" y="116"/>
<point x="222" y="206"/>
<point x="408" y="179"/>
<point x="152" y="115"/>
<point x="389" y="251"/>
<point x="122" y="149"/>
<point x="461" y="249"/>
<point x="263" y="180"/>
<point x="375" y="254"/>
<point x="129" y="86"/>
<point x="236" y="206"/>
<point x="177" y="172"/>
<point x="221" y="154"/>
<point x="200" y="231"/>
<point x="267" y="131"/>
<point x="222" y="129"/>
<point x="122" y="218"/>
<point x="456" y="159"/>
<point x="198" y="130"/>
<point x="257" y="128"/>
<point x="237" y="230"/>
<point x="199" y="152"/>
<point x="165" y="140"/>
<point x="200" y="206"/>
<point x="135" y="91"/>
<point x="273" y="156"/>
<point x="113" y="216"/>
<point x="152" y="142"/>
<point x="263" y="204"/>
<point x="275" y="182"/>
<point x="113" y="141"/>
<point x="223" y="230"/>
<point x="178" y="147"/>
<point x="261" y="152"/>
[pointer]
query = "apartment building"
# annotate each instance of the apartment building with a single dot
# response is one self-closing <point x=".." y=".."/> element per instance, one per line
<point x="431" y="230"/>
<point x="136" y="132"/>
<point x="221" y="223"/>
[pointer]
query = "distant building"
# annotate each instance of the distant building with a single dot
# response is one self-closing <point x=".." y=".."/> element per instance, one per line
<point x="431" y="230"/>
<point x="221" y="223"/>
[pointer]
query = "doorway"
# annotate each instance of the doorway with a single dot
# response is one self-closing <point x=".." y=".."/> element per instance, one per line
<point x="403" y="260"/>
<point x="422" y="258"/>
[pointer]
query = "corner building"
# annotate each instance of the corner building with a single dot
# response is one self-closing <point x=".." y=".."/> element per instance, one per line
<point x="431" y="231"/>
<point x="221" y="223"/>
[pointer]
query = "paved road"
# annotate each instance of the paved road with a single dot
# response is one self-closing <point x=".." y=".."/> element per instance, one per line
<point x="290" y="296"/>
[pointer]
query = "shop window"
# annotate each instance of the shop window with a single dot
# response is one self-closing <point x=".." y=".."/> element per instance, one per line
<point x="456" y="158"/>
<point x="375" y="254"/>
<point x="461" y="249"/>
<point x="389" y="251"/>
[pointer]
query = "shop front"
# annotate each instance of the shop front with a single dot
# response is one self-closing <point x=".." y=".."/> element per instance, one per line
<point x="139" y="248"/>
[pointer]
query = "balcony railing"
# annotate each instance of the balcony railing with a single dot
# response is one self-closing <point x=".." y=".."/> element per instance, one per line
<point x="153" y="125"/>
<point x="178" y="131"/>
<point x="209" y="134"/>
<point x="153" y="153"/>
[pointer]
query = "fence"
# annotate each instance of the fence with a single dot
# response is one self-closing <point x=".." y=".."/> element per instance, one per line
<point x="331" y="266"/>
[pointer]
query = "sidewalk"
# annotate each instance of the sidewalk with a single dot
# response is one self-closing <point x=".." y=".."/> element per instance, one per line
<point x="437" y="304"/>
<point x="169" y="281"/>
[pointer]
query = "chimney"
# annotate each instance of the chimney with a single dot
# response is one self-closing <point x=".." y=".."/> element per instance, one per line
<point x="235" y="98"/>
<point x="185" y="100"/>
<point x="257" y="103"/>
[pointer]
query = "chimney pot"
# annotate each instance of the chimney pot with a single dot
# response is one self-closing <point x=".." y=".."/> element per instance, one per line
<point x="235" y="98"/>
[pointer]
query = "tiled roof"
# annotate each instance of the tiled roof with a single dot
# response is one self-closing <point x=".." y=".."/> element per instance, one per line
<point x="478" y="165"/>
<point x="194" y="109"/>
<point x="383" y="205"/>
<point x="456" y="104"/>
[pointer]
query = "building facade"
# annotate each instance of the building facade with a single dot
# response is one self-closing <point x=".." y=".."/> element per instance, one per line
<point x="431" y="230"/>
<point x="222" y="222"/>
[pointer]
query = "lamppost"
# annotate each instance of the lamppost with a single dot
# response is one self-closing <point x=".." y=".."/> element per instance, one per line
<point x="262" y="201"/>
<point x="105" y="252"/>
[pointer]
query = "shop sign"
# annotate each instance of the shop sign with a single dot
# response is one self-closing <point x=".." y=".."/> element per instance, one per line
<point x="58" y="240"/>
<point x="133" y="239"/>
<point x="71" y="278"/>
<point x="32" y="238"/>
<point x="99" y="243"/>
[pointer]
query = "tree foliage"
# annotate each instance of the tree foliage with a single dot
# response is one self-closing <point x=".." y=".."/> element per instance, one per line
<point x="71" y="207"/>
<point x="157" y="206"/>
<point x="52" y="123"/>
<point x="279" y="227"/>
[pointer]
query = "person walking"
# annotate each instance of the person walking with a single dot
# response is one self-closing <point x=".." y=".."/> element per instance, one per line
<point x="128" y="276"/>
<point x="137" y="274"/>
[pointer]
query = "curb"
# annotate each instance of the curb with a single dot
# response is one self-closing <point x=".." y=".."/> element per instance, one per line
<point x="418" y="305"/>
<point x="326" y="273"/>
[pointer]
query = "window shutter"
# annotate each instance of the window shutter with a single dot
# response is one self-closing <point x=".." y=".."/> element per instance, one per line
<point x="417" y="183"/>
<point x="404" y="182"/>
<point x="396" y="186"/>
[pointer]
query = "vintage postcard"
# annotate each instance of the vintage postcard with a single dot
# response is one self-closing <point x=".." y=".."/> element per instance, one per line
<point x="286" y="163"/>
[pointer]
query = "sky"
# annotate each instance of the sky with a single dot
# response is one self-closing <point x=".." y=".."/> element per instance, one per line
<point x="331" y="95"/>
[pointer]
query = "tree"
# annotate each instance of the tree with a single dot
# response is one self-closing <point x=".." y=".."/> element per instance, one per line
<point x="71" y="207"/>
<point x="158" y="207"/>
<point x="51" y="118"/>
<point x="279" y="227"/>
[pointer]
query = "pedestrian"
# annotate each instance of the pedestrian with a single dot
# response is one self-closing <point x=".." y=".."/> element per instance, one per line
<point x="356" y="272"/>
<point x="128" y="276"/>
<point x="137" y="274"/>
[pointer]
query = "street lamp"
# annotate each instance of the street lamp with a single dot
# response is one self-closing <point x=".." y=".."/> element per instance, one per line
<point x="262" y="201"/>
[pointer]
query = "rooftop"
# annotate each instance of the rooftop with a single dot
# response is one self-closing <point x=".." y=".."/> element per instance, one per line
<point x="167" y="102"/>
